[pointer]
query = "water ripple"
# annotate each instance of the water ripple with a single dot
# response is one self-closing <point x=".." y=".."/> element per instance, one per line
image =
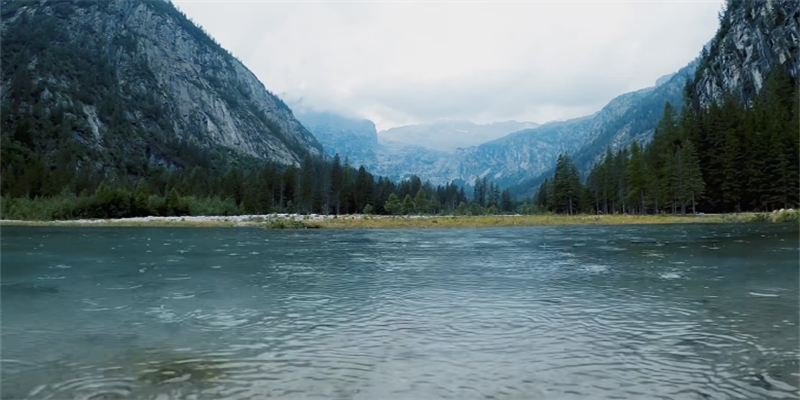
<point x="547" y="313"/>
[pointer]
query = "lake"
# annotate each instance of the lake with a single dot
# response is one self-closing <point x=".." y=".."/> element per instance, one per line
<point x="670" y="311"/>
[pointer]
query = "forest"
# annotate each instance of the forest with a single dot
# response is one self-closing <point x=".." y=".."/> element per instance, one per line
<point x="316" y="186"/>
<point x="733" y="156"/>
<point x="729" y="157"/>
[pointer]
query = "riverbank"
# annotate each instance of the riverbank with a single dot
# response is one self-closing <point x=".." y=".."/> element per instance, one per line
<point x="294" y="221"/>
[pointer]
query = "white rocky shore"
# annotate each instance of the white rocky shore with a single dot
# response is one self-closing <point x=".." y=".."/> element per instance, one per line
<point x="236" y="220"/>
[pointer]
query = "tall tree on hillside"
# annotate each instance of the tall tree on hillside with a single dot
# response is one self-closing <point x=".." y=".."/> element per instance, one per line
<point x="605" y="178"/>
<point x="620" y="169"/>
<point x="345" y="194"/>
<point x="732" y="153"/>
<point x="783" y="158"/>
<point x="364" y="189"/>
<point x="337" y="181"/>
<point x="304" y="196"/>
<point x="506" y="203"/>
<point x="676" y="181"/>
<point x="593" y="186"/>
<point x="637" y="178"/>
<point x="693" y="177"/>
<point x="566" y="185"/>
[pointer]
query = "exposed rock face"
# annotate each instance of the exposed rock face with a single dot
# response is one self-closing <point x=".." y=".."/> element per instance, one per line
<point x="449" y="135"/>
<point x="664" y="79"/>
<point x="519" y="159"/>
<point x="358" y="140"/>
<point x="157" y="73"/>
<point x="753" y="38"/>
<point x="522" y="160"/>
<point x="352" y="138"/>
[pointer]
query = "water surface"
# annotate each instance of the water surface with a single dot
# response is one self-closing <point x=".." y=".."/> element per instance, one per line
<point x="668" y="312"/>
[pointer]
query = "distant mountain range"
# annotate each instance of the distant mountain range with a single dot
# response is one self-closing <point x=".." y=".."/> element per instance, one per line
<point x="752" y="38"/>
<point x="518" y="158"/>
<point x="448" y="135"/>
<point x="117" y="90"/>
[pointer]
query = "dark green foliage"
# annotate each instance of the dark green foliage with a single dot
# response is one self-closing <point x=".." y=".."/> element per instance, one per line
<point x="57" y="72"/>
<point x="726" y="158"/>
<point x="562" y="193"/>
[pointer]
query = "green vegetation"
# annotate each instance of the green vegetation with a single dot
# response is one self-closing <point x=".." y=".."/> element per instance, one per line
<point x="315" y="187"/>
<point x="70" y="120"/>
<point x="54" y="164"/>
<point x="727" y="158"/>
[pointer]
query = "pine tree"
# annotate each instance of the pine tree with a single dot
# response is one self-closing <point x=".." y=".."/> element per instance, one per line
<point x="566" y="186"/>
<point x="506" y="204"/>
<point x="421" y="202"/>
<point x="305" y="195"/>
<point x="693" y="176"/>
<point x="756" y="145"/>
<point x="637" y="178"/>
<point x="393" y="205"/>
<point x="364" y="188"/>
<point x="461" y="209"/>
<point x="337" y="182"/>
<point x="408" y="205"/>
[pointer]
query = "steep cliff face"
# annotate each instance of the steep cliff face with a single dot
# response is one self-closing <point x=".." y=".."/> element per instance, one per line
<point x="348" y="137"/>
<point x="358" y="140"/>
<point x="754" y="37"/>
<point x="131" y="83"/>
<point x="449" y="135"/>
<point x="520" y="159"/>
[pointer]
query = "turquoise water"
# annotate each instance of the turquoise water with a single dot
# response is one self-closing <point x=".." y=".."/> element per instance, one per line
<point x="670" y="312"/>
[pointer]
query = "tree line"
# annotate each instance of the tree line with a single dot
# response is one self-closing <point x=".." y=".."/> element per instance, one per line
<point x="732" y="156"/>
<point x="315" y="186"/>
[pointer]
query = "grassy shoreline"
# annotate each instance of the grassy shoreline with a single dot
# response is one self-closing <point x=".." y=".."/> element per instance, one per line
<point x="416" y="222"/>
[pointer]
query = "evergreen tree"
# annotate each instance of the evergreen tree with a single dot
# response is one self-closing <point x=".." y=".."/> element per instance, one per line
<point x="693" y="176"/>
<point x="421" y="202"/>
<point x="364" y="188"/>
<point x="393" y="205"/>
<point x="462" y="208"/>
<point x="637" y="178"/>
<point x="337" y="183"/>
<point x="506" y="203"/>
<point x="408" y="205"/>
<point x="566" y="186"/>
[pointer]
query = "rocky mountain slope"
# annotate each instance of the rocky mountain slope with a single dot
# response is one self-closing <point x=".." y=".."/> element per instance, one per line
<point x="753" y="37"/>
<point x="119" y="86"/>
<point x="358" y="140"/>
<point x="522" y="159"/>
<point x="449" y="135"/>
<point x="519" y="159"/>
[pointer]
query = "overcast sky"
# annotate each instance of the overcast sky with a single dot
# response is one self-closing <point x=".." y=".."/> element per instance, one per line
<point x="400" y="63"/>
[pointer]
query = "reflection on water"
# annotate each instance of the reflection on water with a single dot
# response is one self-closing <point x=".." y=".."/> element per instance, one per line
<point x="678" y="312"/>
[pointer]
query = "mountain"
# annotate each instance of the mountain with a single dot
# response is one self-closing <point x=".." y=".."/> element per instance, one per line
<point x="119" y="87"/>
<point x="354" y="138"/>
<point x="519" y="160"/>
<point x="522" y="160"/>
<point x="732" y="147"/>
<point x="664" y="79"/>
<point x="449" y="135"/>
<point x="753" y="37"/>
<point x="358" y="140"/>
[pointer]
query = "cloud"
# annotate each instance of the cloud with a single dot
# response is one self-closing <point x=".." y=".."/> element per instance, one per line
<point x="399" y="63"/>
